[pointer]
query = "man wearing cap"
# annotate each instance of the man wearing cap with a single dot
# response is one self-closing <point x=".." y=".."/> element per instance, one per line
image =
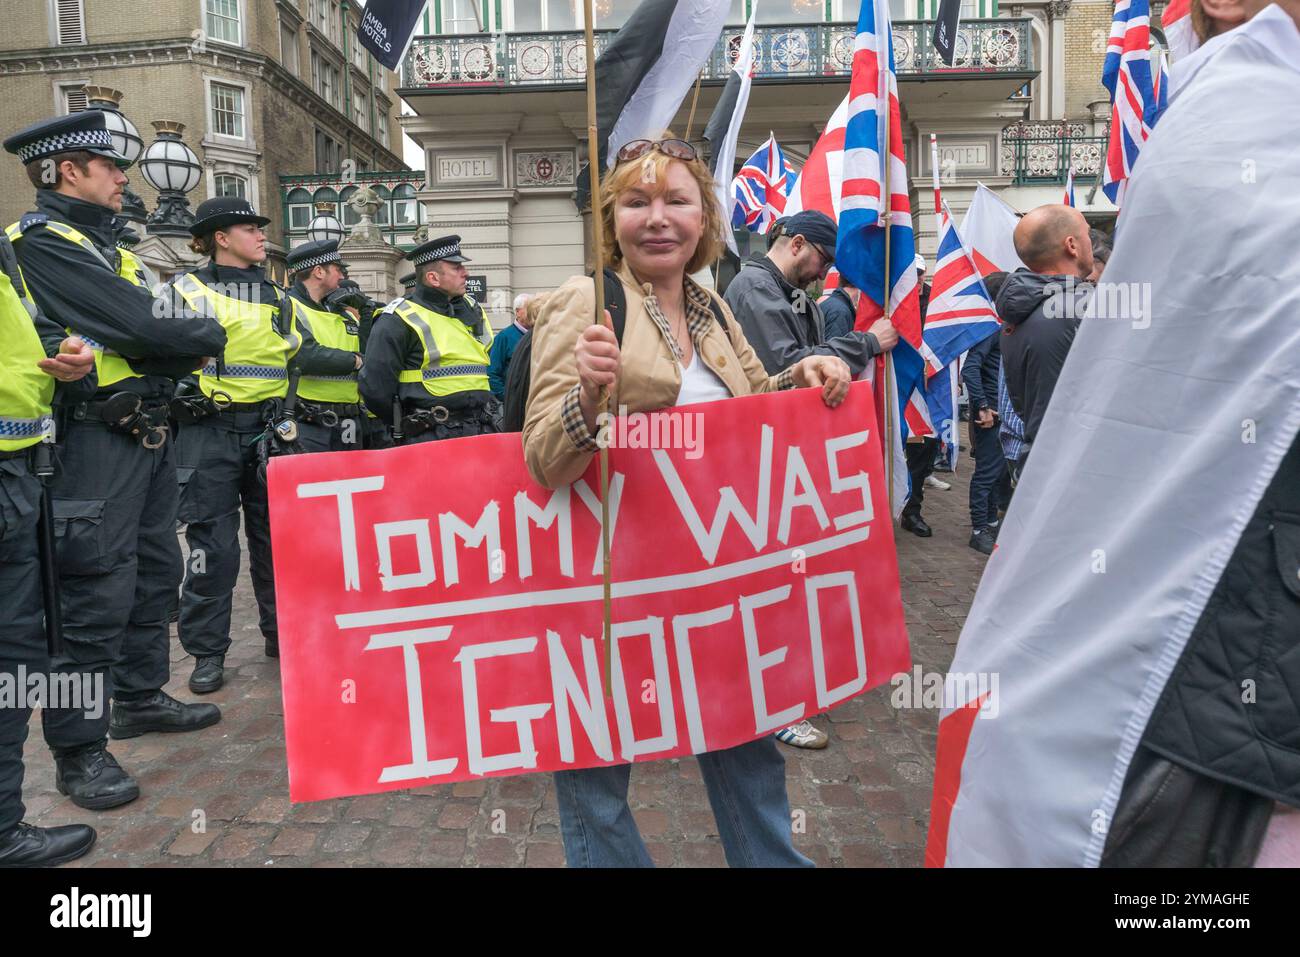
<point x="426" y="369"/>
<point x="114" y="498"/>
<point x="330" y="415"/>
<point x="780" y="320"/>
<point x="242" y="409"/>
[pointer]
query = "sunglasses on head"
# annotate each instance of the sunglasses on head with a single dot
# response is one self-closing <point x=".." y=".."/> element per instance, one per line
<point x="677" y="149"/>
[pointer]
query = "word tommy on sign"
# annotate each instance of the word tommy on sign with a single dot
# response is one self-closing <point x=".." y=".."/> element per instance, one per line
<point x="441" y="613"/>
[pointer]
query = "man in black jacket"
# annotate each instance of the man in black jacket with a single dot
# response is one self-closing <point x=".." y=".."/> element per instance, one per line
<point x="1041" y="306"/>
<point x="780" y="320"/>
<point x="980" y="374"/>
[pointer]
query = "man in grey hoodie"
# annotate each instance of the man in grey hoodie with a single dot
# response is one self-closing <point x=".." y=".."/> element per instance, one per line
<point x="1041" y="307"/>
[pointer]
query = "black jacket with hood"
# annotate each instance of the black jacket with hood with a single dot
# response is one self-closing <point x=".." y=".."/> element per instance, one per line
<point x="1040" y="315"/>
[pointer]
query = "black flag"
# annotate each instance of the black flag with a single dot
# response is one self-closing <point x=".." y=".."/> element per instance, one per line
<point x="945" y="29"/>
<point x="386" y="28"/>
<point x="654" y="57"/>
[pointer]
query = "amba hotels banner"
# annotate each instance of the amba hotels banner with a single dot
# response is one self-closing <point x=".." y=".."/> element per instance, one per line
<point x="440" y="613"/>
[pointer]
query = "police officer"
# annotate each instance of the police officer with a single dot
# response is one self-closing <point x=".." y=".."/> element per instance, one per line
<point x="426" y="365"/>
<point x="115" y="497"/>
<point x="237" y="411"/>
<point x="27" y="385"/>
<point x="329" y="413"/>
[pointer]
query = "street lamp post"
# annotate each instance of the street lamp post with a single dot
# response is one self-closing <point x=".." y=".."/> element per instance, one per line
<point x="170" y="167"/>
<point x="325" y="225"/>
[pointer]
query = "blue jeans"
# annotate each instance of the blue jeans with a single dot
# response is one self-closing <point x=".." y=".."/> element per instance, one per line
<point x="990" y="464"/>
<point x="746" y="786"/>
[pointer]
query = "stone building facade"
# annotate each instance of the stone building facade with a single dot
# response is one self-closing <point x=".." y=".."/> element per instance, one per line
<point x="263" y="87"/>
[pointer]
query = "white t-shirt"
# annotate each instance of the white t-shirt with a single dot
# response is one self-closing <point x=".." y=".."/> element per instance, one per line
<point x="700" y="384"/>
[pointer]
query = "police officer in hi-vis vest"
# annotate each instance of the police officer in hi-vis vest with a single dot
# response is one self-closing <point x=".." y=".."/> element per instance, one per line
<point x="27" y="387"/>
<point x="329" y="412"/>
<point x="426" y="364"/>
<point x="239" y="409"/>
<point x="115" y="495"/>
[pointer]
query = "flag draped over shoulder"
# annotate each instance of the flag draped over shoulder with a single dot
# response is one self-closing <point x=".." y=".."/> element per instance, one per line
<point x="761" y="187"/>
<point x="1135" y="103"/>
<point x="1109" y="553"/>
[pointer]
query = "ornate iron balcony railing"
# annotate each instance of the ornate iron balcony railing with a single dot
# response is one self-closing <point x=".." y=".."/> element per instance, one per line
<point x="1042" y="153"/>
<point x="785" y="51"/>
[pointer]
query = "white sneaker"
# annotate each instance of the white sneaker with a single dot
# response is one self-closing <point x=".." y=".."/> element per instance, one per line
<point x="940" y="484"/>
<point x="803" y="735"/>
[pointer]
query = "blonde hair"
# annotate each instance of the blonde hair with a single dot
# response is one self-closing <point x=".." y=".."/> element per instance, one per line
<point x="533" y="308"/>
<point x="652" y="169"/>
<point x="1202" y="25"/>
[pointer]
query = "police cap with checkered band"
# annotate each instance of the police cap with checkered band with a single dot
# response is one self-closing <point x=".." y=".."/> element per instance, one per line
<point x="445" y="248"/>
<point x="65" y="134"/>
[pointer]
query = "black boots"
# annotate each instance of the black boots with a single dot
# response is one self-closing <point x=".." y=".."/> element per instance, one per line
<point x="209" y="674"/>
<point x="28" y="846"/>
<point x="272" y="647"/>
<point x="93" y="779"/>
<point x="916" y="525"/>
<point x="159" y="712"/>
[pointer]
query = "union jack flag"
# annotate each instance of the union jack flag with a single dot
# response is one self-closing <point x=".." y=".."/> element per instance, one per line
<point x="866" y="213"/>
<point x="1136" y="102"/>
<point x="961" y="312"/>
<point x="761" y="188"/>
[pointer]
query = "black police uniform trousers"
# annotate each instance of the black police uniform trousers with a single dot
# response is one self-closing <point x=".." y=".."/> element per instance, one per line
<point x="22" y="631"/>
<point x="985" y="483"/>
<point x="119" y="565"/>
<point x="217" y="467"/>
<point x="315" y="437"/>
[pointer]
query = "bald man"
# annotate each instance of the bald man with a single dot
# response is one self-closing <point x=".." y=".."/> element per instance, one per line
<point x="1040" y="308"/>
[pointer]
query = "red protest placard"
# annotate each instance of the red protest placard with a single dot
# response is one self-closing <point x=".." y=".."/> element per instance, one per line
<point x="440" y="613"/>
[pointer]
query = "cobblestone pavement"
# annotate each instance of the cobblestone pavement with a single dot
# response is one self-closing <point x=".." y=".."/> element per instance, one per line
<point x="864" y="801"/>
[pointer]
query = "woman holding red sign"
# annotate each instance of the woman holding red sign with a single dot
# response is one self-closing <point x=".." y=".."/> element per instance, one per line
<point x="679" y="345"/>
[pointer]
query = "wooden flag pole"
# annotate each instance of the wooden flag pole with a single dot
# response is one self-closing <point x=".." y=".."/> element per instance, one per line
<point x="891" y="400"/>
<point x="595" y="161"/>
<point x="695" y="98"/>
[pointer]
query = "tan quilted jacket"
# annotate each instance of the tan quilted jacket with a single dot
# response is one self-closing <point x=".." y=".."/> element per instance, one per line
<point x="557" y="445"/>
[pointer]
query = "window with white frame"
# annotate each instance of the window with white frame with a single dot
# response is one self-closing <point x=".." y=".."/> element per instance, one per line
<point x="300" y="208"/>
<point x="221" y="21"/>
<point x="360" y="112"/>
<point x="72" y="98"/>
<point x="69" y="21"/>
<point x="404" y="206"/>
<point x="334" y="19"/>
<point x="381" y="125"/>
<point x="289" y="48"/>
<point x="320" y="15"/>
<point x="230" y="184"/>
<point x="227" y="110"/>
<point x="358" y="54"/>
<point x="325" y="79"/>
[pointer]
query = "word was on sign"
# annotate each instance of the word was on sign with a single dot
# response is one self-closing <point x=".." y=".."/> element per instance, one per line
<point x="441" y="613"/>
